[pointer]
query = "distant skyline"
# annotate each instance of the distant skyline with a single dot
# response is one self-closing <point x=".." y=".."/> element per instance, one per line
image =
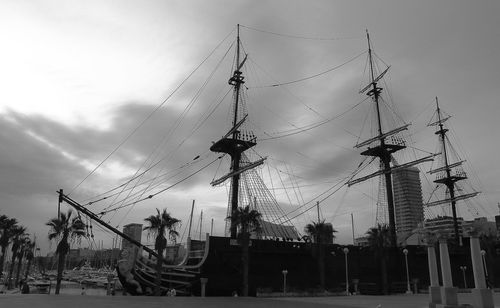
<point x="78" y="77"/>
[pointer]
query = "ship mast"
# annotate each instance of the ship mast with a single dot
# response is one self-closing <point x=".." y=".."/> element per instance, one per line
<point x="236" y="80"/>
<point x="384" y="149"/>
<point x="234" y="142"/>
<point x="449" y="179"/>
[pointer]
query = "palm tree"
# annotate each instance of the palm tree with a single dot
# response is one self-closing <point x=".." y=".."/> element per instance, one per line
<point x="25" y="241"/>
<point x="247" y="222"/>
<point x="6" y="227"/>
<point x="64" y="229"/>
<point x="379" y="240"/>
<point x="18" y="234"/>
<point x="30" y="255"/>
<point x="159" y="225"/>
<point x="321" y="233"/>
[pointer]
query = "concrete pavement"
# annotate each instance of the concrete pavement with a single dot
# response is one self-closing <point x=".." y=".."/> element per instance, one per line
<point x="85" y="301"/>
<point x="389" y="301"/>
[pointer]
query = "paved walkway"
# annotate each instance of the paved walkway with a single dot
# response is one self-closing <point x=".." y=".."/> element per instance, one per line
<point x="390" y="301"/>
<point x="85" y="301"/>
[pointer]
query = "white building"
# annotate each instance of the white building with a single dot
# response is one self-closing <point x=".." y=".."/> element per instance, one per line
<point x="408" y="203"/>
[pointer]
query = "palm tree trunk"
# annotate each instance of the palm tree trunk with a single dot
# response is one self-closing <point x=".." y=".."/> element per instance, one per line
<point x="19" y="265"/>
<point x="28" y="266"/>
<point x="11" y="270"/>
<point x="321" y="265"/>
<point x="159" y="262"/>
<point x="383" y="268"/>
<point x="245" y="259"/>
<point x="60" y="269"/>
<point x="2" y="260"/>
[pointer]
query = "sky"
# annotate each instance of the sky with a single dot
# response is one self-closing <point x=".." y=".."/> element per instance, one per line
<point x="84" y="80"/>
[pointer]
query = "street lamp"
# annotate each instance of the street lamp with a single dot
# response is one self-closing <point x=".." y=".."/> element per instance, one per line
<point x="464" y="268"/>
<point x="483" y="253"/>
<point x="408" y="289"/>
<point x="284" y="272"/>
<point x="346" y="251"/>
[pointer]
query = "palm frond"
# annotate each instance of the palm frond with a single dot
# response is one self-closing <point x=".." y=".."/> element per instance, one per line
<point x="158" y="225"/>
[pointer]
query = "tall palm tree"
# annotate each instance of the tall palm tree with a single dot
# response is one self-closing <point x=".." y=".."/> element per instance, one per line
<point x="247" y="221"/>
<point x="30" y="255"/>
<point x="6" y="227"/>
<point x="25" y="241"/>
<point x="64" y="229"/>
<point x="321" y="233"/>
<point x="18" y="234"/>
<point x="379" y="240"/>
<point x="159" y="225"/>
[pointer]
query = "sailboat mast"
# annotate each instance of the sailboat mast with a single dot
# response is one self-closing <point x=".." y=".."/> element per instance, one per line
<point x="236" y="81"/>
<point x="190" y="220"/>
<point x="234" y="143"/>
<point x="201" y="223"/>
<point x="442" y="133"/>
<point x="376" y="91"/>
<point x="383" y="154"/>
<point x="449" y="181"/>
<point x="236" y="85"/>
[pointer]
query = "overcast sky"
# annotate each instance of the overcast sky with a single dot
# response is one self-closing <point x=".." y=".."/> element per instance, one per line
<point x="78" y="77"/>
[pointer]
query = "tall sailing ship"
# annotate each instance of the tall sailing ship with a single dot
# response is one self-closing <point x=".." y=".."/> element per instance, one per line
<point x="278" y="245"/>
<point x="136" y="269"/>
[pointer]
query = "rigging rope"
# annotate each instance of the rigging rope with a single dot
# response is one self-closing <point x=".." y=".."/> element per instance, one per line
<point x="159" y="192"/>
<point x="312" y="126"/>
<point x="312" y="76"/>
<point x="303" y="37"/>
<point x="342" y="181"/>
<point x="287" y="90"/>
<point x="178" y="123"/>
<point x="152" y="181"/>
<point x="314" y="205"/>
<point x="151" y="114"/>
<point x="150" y="187"/>
<point x="134" y="178"/>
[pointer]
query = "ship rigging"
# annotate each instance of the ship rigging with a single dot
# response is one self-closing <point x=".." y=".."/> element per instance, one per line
<point x="449" y="172"/>
<point x="385" y="148"/>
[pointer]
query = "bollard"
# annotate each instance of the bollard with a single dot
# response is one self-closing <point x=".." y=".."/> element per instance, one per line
<point x="448" y="292"/>
<point x="203" y="286"/>
<point x="483" y="297"/>
<point x="434" y="289"/>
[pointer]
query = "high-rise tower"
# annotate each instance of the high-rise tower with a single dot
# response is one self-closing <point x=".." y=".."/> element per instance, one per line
<point x="408" y="201"/>
<point x="134" y="231"/>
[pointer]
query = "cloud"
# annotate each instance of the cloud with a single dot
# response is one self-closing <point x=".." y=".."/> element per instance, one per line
<point x="99" y="71"/>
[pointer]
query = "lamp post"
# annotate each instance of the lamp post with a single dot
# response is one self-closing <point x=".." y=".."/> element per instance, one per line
<point x="464" y="268"/>
<point x="346" y="251"/>
<point x="284" y="272"/>
<point x="483" y="253"/>
<point x="408" y="289"/>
